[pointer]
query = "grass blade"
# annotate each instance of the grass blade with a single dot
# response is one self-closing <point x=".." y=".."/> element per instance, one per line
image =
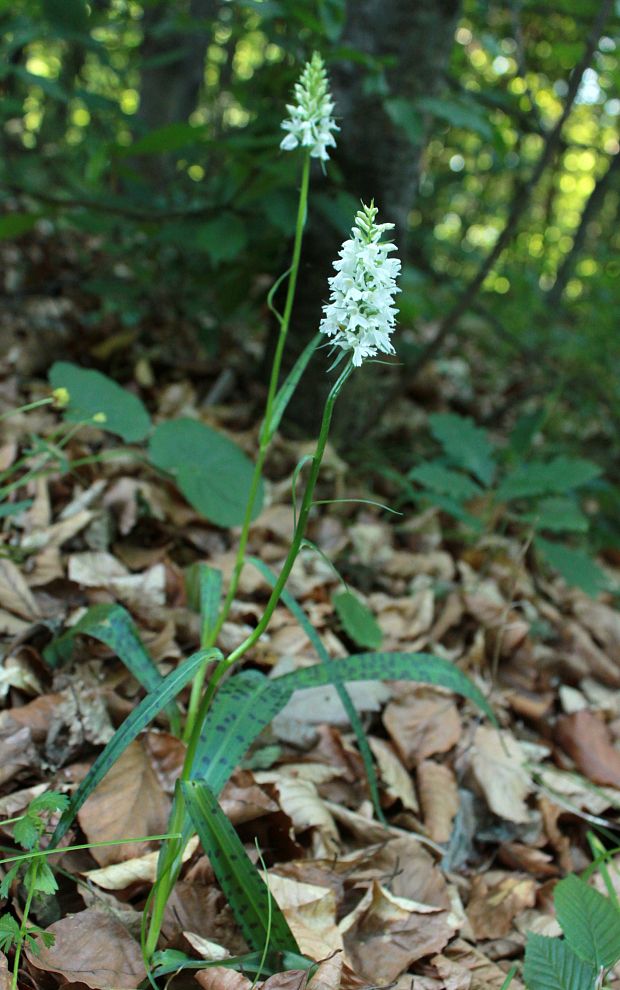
<point x="141" y="716"/>
<point x="245" y="890"/>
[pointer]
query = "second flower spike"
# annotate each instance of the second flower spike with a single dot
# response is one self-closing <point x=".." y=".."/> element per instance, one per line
<point x="310" y="124"/>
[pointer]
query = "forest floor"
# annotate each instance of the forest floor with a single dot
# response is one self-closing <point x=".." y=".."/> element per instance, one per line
<point x="481" y="821"/>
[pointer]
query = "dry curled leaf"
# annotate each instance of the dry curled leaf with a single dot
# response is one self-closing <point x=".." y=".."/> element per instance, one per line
<point x="92" y="948"/>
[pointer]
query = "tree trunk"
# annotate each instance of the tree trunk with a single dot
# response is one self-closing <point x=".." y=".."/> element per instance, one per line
<point x="378" y="161"/>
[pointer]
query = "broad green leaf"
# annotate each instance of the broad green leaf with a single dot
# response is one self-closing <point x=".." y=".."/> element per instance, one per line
<point x="258" y="916"/>
<point x="332" y="14"/>
<point x="345" y="698"/>
<point x="459" y="113"/>
<point x="91" y="393"/>
<point x="170" y="137"/>
<point x="550" y="964"/>
<point x="142" y="715"/>
<point x="285" y="392"/>
<point x="15" y="224"/>
<point x="446" y="482"/>
<point x="465" y="444"/>
<point x="242" y="708"/>
<point x="113" y="625"/>
<point x="71" y="15"/>
<point x="13" y="508"/>
<point x="589" y="920"/>
<point x="358" y="621"/>
<point x="576" y="567"/>
<point x="557" y="515"/>
<point x="562" y="474"/>
<point x="223" y="238"/>
<point x="214" y="475"/>
<point x="404" y="114"/>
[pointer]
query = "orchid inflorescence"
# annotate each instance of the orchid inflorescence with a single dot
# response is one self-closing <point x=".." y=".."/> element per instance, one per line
<point x="360" y="315"/>
<point x="310" y="122"/>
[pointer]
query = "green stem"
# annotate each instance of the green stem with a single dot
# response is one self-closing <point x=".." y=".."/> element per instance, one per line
<point x="170" y="863"/>
<point x="211" y="638"/>
<point x="24" y="925"/>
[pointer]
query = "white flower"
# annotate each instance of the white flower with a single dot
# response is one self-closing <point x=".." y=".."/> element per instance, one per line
<point x="310" y="122"/>
<point x="360" y="315"/>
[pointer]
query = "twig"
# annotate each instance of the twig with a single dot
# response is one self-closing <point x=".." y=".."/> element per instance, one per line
<point x="519" y="204"/>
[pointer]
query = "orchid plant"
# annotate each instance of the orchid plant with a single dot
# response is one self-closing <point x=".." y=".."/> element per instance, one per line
<point x="226" y="713"/>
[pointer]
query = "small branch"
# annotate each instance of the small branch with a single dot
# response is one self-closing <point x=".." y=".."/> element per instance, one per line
<point x="520" y="202"/>
<point x="593" y="204"/>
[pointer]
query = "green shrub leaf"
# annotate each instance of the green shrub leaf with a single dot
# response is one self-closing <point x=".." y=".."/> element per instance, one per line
<point x="357" y="620"/>
<point x="575" y="566"/>
<point x="212" y="472"/>
<point x="16" y="224"/>
<point x="550" y="964"/>
<point x="92" y="393"/>
<point x="559" y="515"/>
<point x="465" y="444"/>
<point x="590" y="922"/>
<point x="259" y="917"/>
<point x="442" y="480"/>
<point x="562" y="474"/>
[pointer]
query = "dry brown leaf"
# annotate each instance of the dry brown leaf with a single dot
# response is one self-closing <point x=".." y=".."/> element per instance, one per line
<point x="139" y="869"/>
<point x="300" y="800"/>
<point x="5" y="979"/>
<point x="15" y="594"/>
<point x="496" y="899"/>
<point x="439" y="797"/>
<point x="498" y="764"/>
<point x="311" y="914"/>
<point x="396" y="780"/>
<point x="587" y="740"/>
<point x="603" y="622"/>
<point x="422" y="723"/>
<point x="128" y="802"/>
<point x="290" y="979"/>
<point x="17" y="752"/>
<point x="92" y="948"/>
<point x="222" y="978"/>
<point x="485" y="974"/>
<point x="385" y="934"/>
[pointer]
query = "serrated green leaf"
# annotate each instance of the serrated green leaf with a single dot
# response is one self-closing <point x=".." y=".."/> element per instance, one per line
<point x="442" y="480"/>
<point x="112" y="624"/>
<point x="212" y="472"/>
<point x="575" y="566"/>
<point x="43" y="879"/>
<point x="26" y="831"/>
<point x="466" y="444"/>
<point x="91" y="393"/>
<point x="9" y="932"/>
<point x="7" y="880"/>
<point x="550" y="964"/>
<point x="49" y="801"/>
<point x="562" y="474"/>
<point x="141" y="716"/>
<point x="245" y="890"/>
<point x="557" y="515"/>
<point x="358" y="621"/>
<point x="590" y="922"/>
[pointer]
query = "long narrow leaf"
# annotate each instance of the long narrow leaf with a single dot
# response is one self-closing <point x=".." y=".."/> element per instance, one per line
<point x="422" y="667"/>
<point x="141" y="716"/>
<point x="210" y="579"/>
<point x="113" y="625"/>
<point x="335" y="677"/>
<point x="285" y="393"/>
<point x="261" y="922"/>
